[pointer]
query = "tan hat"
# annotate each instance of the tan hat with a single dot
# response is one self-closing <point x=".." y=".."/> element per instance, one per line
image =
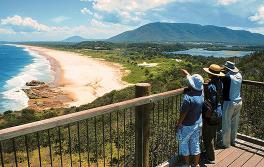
<point x="215" y="70"/>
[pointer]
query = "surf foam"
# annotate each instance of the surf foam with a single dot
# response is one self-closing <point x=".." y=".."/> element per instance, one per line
<point x="40" y="69"/>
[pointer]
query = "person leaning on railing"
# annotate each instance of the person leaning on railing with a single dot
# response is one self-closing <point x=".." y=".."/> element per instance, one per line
<point x="232" y="103"/>
<point x="189" y="124"/>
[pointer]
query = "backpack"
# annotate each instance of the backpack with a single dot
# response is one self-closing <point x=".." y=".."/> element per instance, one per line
<point x="213" y="116"/>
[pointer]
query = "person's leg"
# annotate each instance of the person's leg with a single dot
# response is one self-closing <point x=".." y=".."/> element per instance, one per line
<point x="235" y="122"/>
<point x="194" y="145"/>
<point x="195" y="159"/>
<point x="183" y="138"/>
<point x="219" y="135"/>
<point x="186" y="160"/>
<point x="226" y="122"/>
<point x="213" y="140"/>
<point x="208" y="137"/>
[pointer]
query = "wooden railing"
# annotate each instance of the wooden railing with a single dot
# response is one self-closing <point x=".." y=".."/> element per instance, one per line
<point x="137" y="132"/>
<point x="114" y="135"/>
<point x="252" y="114"/>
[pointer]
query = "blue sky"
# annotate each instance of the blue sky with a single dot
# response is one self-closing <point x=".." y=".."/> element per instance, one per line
<point x="36" y="20"/>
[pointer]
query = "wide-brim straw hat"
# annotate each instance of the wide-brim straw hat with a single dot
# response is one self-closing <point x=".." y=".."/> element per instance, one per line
<point x="215" y="70"/>
<point x="231" y="66"/>
<point x="196" y="81"/>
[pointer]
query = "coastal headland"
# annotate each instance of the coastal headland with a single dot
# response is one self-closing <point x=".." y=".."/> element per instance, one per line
<point x="78" y="79"/>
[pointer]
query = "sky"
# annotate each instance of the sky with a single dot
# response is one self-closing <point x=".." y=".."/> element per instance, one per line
<point x="52" y="20"/>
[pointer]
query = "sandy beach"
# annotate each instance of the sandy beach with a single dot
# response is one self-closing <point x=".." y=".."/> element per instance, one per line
<point x="82" y="78"/>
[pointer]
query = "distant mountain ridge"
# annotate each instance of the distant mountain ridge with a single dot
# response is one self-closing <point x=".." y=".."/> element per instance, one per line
<point x="186" y="32"/>
<point x="76" y="39"/>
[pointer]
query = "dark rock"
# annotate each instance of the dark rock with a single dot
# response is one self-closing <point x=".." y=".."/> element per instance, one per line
<point x="35" y="83"/>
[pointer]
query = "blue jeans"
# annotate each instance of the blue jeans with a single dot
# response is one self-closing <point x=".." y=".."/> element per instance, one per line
<point x="230" y="121"/>
<point x="189" y="140"/>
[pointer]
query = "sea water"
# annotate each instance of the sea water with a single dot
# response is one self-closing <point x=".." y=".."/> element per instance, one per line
<point x="19" y="65"/>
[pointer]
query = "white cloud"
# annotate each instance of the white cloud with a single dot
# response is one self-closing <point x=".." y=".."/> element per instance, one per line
<point x="60" y="19"/>
<point x="251" y="29"/>
<point x="97" y="16"/>
<point x="226" y="2"/>
<point x="6" y="31"/>
<point x="11" y="26"/>
<point x="96" y="29"/>
<point x="127" y="12"/>
<point x="257" y="30"/>
<point x="99" y="29"/>
<point x="259" y="16"/>
<point x="86" y="11"/>
<point x="23" y="24"/>
<point x="129" y="6"/>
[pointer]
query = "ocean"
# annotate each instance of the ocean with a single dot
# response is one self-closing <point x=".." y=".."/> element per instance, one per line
<point x="18" y="65"/>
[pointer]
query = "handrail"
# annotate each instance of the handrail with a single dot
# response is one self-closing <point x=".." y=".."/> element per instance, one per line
<point x="86" y="114"/>
<point x="82" y="115"/>
<point x="249" y="82"/>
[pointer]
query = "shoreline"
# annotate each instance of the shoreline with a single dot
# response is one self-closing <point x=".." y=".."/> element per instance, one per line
<point x="30" y="66"/>
<point x="81" y="78"/>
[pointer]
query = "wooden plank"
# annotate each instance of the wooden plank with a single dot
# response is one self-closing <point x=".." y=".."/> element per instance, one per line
<point x="253" y="161"/>
<point x="261" y="163"/>
<point x="250" y="149"/>
<point x="242" y="159"/>
<point x="82" y="115"/>
<point x="222" y="155"/>
<point x="232" y="157"/>
<point x="218" y="151"/>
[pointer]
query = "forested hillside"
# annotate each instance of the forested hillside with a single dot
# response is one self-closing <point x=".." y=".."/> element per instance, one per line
<point x="186" y="32"/>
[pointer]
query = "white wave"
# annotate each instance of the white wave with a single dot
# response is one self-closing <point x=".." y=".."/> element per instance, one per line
<point x="9" y="44"/>
<point x="40" y="69"/>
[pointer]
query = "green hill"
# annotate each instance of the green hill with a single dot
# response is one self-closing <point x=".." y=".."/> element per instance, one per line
<point x="185" y="32"/>
<point x="75" y="39"/>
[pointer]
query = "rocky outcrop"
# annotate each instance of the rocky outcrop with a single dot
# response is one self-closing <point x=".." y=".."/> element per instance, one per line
<point x="35" y="83"/>
<point x="38" y="92"/>
<point x="43" y="96"/>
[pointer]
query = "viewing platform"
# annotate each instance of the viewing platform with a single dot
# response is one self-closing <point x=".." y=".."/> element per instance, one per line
<point x="244" y="154"/>
<point x="137" y="132"/>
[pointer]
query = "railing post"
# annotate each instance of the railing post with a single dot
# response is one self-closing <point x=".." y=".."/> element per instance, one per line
<point x="142" y="126"/>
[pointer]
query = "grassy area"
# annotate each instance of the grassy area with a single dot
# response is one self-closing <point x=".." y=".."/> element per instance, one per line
<point x="130" y="62"/>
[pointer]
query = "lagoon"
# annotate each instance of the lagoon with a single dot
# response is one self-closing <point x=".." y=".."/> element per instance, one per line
<point x="208" y="53"/>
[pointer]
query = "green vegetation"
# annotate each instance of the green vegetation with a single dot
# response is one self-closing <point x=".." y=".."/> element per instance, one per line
<point x="163" y="77"/>
<point x="252" y="66"/>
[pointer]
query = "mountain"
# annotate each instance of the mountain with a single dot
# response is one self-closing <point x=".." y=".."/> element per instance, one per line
<point x="185" y="32"/>
<point x="75" y="39"/>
